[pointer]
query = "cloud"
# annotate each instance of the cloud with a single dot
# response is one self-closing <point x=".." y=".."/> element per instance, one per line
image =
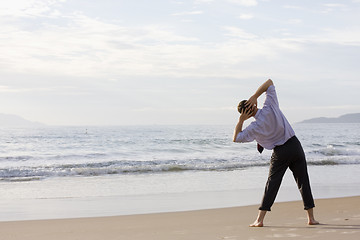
<point x="83" y="46"/>
<point x="238" y="33"/>
<point x="295" y="21"/>
<point x="188" y="13"/>
<point x="246" y="16"/>
<point x="89" y="47"/>
<point x="248" y="3"/>
<point x="322" y="107"/>
<point x="334" y="5"/>
<point x="119" y="56"/>
<point x="7" y="89"/>
<point x="203" y="1"/>
<point x="293" y="7"/>
<point x="331" y="7"/>
<point x="29" y="8"/>
<point x="184" y="110"/>
<point x="347" y="36"/>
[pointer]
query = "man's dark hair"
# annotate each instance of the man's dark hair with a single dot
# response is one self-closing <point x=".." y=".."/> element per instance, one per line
<point x="243" y="107"/>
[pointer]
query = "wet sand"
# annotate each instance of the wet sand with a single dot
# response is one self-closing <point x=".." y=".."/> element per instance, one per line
<point x="339" y="218"/>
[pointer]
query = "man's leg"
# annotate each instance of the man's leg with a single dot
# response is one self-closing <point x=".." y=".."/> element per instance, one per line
<point x="259" y="222"/>
<point x="277" y="170"/>
<point x="299" y="168"/>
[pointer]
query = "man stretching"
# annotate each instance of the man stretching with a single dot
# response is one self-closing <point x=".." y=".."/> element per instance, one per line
<point x="272" y="131"/>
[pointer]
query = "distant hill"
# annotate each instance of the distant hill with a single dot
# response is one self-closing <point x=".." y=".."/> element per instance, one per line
<point x="347" y="118"/>
<point x="10" y="120"/>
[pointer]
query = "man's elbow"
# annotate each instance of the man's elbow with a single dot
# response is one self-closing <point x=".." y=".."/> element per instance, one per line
<point x="235" y="138"/>
<point x="270" y="82"/>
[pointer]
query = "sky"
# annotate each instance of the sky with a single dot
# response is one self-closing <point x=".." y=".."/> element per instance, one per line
<point x="120" y="62"/>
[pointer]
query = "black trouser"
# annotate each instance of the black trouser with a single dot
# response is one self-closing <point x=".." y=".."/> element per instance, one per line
<point x="290" y="154"/>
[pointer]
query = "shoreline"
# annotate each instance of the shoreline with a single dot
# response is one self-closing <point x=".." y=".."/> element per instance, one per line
<point x="161" y="193"/>
<point x="339" y="218"/>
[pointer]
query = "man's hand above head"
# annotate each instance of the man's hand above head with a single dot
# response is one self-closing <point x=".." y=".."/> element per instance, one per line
<point x="252" y="102"/>
<point x="245" y="115"/>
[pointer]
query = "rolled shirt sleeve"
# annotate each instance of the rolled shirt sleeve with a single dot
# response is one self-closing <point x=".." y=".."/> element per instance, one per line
<point x="247" y="135"/>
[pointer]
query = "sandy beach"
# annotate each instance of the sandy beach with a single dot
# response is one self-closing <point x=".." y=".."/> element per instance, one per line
<point x="339" y="217"/>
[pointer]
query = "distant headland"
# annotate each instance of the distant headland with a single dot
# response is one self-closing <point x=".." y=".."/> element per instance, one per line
<point x="10" y="120"/>
<point x="347" y="118"/>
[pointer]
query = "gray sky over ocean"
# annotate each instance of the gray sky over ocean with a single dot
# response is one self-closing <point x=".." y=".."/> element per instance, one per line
<point x="92" y="62"/>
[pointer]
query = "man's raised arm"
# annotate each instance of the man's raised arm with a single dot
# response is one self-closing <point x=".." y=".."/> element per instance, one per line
<point x="243" y="117"/>
<point x="252" y="102"/>
<point x="253" y="99"/>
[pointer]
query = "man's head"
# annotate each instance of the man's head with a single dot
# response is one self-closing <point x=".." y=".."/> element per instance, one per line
<point x="242" y="107"/>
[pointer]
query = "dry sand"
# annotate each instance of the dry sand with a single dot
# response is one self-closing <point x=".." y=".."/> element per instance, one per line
<point x="340" y="219"/>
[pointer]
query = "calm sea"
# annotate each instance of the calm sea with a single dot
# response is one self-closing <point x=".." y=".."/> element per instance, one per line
<point x="58" y="152"/>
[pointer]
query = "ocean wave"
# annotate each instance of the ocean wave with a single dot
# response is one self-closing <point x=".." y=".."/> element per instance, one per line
<point x="323" y="162"/>
<point x="33" y="173"/>
<point x="337" y="150"/>
<point x="16" y="158"/>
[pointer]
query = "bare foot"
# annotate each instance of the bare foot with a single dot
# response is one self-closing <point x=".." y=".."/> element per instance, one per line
<point x="311" y="218"/>
<point x="313" y="222"/>
<point x="256" y="224"/>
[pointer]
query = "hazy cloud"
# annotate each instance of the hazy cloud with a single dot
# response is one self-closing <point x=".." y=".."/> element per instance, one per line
<point x="188" y="13"/>
<point x="246" y="16"/>
<point x="172" y="55"/>
<point x="244" y="2"/>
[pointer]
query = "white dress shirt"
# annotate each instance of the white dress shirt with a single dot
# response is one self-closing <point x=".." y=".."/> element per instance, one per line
<point x="270" y="128"/>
